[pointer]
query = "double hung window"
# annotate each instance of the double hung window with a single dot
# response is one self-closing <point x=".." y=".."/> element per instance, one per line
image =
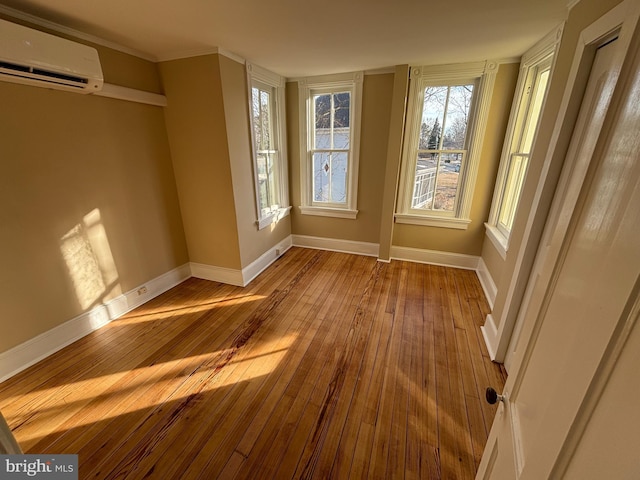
<point x="533" y="80"/>
<point x="447" y="112"/>
<point x="266" y="105"/>
<point x="329" y="139"/>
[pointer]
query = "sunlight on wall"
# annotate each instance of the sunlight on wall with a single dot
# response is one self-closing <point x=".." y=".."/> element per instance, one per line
<point x="85" y="249"/>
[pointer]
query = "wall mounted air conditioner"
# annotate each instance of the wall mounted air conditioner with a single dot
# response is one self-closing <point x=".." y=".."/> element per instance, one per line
<point x="36" y="58"/>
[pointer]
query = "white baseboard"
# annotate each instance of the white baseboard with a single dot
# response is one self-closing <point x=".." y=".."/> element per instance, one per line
<point x="336" y="245"/>
<point x="241" y="278"/>
<point x="32" y="351"/>
<point x="490" y="334"/>
<point x="488" y="285"/>
<point x="230" y="276"/>
<point x="256" y="267"/>
<point x="434" y="257"/>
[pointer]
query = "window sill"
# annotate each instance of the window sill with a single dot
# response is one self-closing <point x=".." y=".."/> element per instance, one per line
<point x="497" y="238"/>
<point x="273" y="217"/>
<point x="443" y="222"/>
<point x="329" y="212"/>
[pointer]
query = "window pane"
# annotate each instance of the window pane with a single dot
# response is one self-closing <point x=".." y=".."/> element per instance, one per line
<point x="272" y="167"/>
<point x="447" y="188"/>
<point x="321" y="177"/>
<point x="255" y="107"/>
<point x="425" y="181"/>
<point x="515" y="178"/>
<point x="457" y="117"/>
<point x="330" y="177"/>
<point x="322" y="106"/>
<point x="339" y="177"/>
<point x="265" y="106"/>
<point x="267" y="181"/>
<point x="262" y="120"/>
<point x="534" y="111"/>
<point x="341" y="132"/>
<point x="322" y="130"/>
<point x="263" y="182"/>
<point x="433" y="111"/>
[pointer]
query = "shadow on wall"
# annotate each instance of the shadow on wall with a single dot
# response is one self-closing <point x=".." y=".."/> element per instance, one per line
<point x="87" y="254"/>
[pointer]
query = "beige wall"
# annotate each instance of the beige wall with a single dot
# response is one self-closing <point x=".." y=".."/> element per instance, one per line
<point x="493" y="261"/>
<point x="470" y="241"/>
<point x="121" y="69"/>
<point x="87" y="193"/>
<point x="252" y="242"/>
<point x="198" y="137"/>
<point x="376" y="111"/>
<point x="582" y="15"/>
<point x="208" y="127"/>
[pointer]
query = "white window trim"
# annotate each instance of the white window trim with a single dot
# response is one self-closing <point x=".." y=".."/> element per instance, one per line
<point x="306" y="87"/>
<point x="534" y="56"/>
<point x="483" y="74"/>
<point x="259" y="74"/>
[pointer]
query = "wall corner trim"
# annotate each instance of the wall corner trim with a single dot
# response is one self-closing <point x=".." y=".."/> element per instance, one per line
<point x="22" y="356"/>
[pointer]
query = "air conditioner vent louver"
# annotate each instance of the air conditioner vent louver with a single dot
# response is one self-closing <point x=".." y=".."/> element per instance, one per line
<point x="35" y="58"/>
<point x="20" y="71"/>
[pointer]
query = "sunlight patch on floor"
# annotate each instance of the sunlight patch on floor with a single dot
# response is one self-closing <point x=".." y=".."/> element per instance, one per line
<point x="151" y="314"/>
<point x="157" y="385"/>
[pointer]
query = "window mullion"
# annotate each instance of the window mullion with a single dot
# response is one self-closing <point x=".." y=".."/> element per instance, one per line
<point x="444" y="118"/>
<point x="435" y="182"/>
<point x="329" y="173"/>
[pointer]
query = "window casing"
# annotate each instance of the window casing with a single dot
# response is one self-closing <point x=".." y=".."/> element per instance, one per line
<point x="533" y="81"/>
<point x="329" y="144"/>
<point x="266" y="113"/>
<point x="446" y="120"/>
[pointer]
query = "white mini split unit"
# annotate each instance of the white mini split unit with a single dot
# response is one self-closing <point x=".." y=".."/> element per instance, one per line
<point x="36" y="58"/>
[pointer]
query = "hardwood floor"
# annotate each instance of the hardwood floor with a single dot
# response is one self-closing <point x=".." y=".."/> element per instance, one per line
<point x="328" y="365"/>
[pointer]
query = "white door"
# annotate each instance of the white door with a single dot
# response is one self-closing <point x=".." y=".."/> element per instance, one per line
<point x="582" y="298"/>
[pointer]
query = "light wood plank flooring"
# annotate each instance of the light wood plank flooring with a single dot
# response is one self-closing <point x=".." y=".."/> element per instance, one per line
<point x="328" y="365"/>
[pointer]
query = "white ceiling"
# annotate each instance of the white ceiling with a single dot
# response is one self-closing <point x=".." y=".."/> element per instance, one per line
<point x="301" y="37"/>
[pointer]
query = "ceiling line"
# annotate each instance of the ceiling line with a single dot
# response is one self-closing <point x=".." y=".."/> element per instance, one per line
<point x="56" y="27"/>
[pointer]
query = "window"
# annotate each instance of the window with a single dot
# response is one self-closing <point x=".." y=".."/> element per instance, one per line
<point x="446" y="119"/>
<point x="266" y="106"/>
<point x="535" y="72"/>
<point x="329" y="143"/>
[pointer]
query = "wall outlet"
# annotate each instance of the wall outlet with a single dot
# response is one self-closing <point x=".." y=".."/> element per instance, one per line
<point x="142" y="290"/>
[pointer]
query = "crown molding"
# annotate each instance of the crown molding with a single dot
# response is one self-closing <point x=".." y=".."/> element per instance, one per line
<point x="56" y="27"/>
